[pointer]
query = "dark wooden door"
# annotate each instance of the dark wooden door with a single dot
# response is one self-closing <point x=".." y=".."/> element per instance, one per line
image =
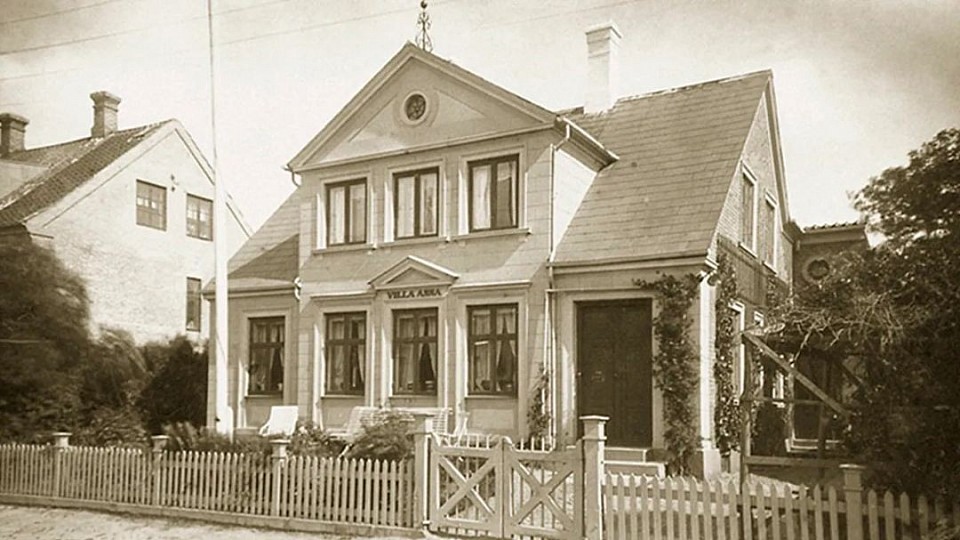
<point x="614" y="368"/>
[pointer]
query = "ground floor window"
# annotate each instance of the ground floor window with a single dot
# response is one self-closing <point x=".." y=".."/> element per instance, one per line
<point x="266" y="356"/>
<point x="492" y="343"/>
<point x="346" y="352"/>
<point x="415" y="351"/>
<point x="193" y="304"/>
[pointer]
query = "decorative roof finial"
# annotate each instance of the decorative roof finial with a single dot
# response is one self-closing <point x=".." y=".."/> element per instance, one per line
<point x="423" y="24"/>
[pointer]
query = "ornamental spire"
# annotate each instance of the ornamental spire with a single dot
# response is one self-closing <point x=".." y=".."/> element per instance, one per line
<point x="423" y="24"/>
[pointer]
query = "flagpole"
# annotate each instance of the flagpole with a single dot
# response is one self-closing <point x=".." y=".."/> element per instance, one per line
<point x="219" y="415"/>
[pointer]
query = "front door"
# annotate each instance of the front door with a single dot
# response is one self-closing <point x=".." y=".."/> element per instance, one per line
<point x="615" y="368"/>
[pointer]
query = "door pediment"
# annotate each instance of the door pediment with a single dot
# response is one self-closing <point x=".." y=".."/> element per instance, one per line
<point x="417" y="100"/>
<point x="414" y="272"/>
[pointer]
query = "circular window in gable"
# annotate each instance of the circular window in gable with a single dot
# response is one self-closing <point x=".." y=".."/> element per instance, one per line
<point x="817" y="269"/>
<point x="415" y="108"/>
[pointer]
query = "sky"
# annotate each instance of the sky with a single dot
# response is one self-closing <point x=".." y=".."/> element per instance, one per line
<point x="858" y="84"/>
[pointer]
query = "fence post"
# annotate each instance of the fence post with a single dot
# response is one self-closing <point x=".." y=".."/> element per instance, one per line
<point x="853" y="497"/>
<point x="421" y="430"/>
<point x="278" y="459"/>
<point x="159" y="442"/>
<point x="61" y="441"/>
<point x="594" y="439"/>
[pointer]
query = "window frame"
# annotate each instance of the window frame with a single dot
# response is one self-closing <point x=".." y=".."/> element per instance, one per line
<point x="417" y="175"/>
<point x="493" y="161"/>
<point x="199" y="222"/>
<point x="194" y="296"/>
<point x="774" y="232"/>
<point x="348" y="219"/>
<point x="741" y="363"/>
<point x="330" y="342"/>
<point x="254" y="346"/>
<point x="747" y="177"/>
<point x="162" y="213"/>
<point x="397" y="342"/>
<point x="496" y="338"/>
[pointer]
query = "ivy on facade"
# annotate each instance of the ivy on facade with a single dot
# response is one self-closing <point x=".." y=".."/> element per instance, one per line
<point x="538" y="418"/>
<point x="675" y="366"/>
<point x="726" y="415"/>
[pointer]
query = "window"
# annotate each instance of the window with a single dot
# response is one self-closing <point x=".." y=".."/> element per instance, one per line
<point x="493" y="349"/>
<point x="739" y="351"/>
<point x="415" y="351"/>
<point x="193" y="304"/>
<point x="266" y="356"/>
<point x="747" y="211"/>
<point x="347" y="213"/>
<point x="151" y="205"/>
<point x="415" y="203"/>
<point x="346" y="352"/>
<point x="199" y="217"/>
<point x="493" y="193"/>
<point x="769" y="247"/>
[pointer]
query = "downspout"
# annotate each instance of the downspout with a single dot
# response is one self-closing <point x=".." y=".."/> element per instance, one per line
<point x="550" y="299"/>
<point x="293" y="176"/>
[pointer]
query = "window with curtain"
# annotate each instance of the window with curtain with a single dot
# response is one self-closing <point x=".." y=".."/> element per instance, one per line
<point x="347" y="212"/>
<point x="265" y="369"/>
<point x="494" y="185"/>
<point x="415" y="351"/>
<point x="492" y="343"/>
<point x="346" y="353"/>
<point x="199" y="217"/>
<point x="415" y="203"/>
<point x="747" y="210"/>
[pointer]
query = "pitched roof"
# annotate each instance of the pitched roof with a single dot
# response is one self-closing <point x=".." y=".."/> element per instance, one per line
<point x="678" y="150"/>
<point x="69" y="165"/>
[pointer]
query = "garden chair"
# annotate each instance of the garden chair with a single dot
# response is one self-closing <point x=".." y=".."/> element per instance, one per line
<point x="283" y="420"/>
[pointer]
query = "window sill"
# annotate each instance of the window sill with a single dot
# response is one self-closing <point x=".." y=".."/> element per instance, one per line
<point x="491" y="234"/>
<point x="770" y="267"/>
<point x="747" y="248"/>
<point x="417" y="240"/>
<point x="278" y="395"/>
<point x="200" y="238"/>
<point x="345" y="248"/>
<point x="342" y="396"/>
<point x="490" y="397"/>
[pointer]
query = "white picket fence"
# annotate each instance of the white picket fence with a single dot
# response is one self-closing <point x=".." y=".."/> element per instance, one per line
<point x="356" y="491"/>
<point x="647" y="508"/>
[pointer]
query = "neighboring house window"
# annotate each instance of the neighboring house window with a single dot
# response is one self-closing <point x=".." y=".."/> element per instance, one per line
<point x="266" y="355"/>
<point x="346" y="352"/>
<point x="748" y="211"/>
<point x="769" y="233"/>
<point x="494" y="186"/>
<point x="199" y="217"/>
<point x="151" y="205"/>
<point x="347" y="212"/>
<point x="415" y="351"/>
<point x="415" y="203"/>
<point x="193" y="304"/>
<point x="493" y="349"/>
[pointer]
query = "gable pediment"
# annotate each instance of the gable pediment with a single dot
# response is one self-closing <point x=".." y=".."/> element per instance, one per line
<point x="456" y="105"/>
<point x="413" y="272"/>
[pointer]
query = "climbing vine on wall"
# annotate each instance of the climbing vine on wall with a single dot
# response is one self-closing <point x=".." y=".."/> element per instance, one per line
<point x="675" y="366"/>
<point x="726" y="415"/>
<point x="538" y="418"/>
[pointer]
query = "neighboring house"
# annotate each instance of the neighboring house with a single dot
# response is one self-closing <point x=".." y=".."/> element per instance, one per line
<point x="129" y="210"/>
<point x="451" y="241"/>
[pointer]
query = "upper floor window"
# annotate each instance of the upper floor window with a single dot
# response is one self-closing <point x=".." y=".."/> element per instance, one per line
<point x="346" y="352"/>
<point x="266" y="356"/>
<point x="748" y="210"/>
<point x="347" y="212"/>
<point x="199" y="217"/>
<point x="494" y="186"/>
<point x="151" y="205"/>
<point x="193" y="304"/>
<point x="493" y="349"/>
<point x="769" y="239"/>
<point x="415" y="203"/>
<point x="415" y="351"/>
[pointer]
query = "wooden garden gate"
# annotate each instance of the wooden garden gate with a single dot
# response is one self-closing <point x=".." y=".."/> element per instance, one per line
<point x="503" y="491"/>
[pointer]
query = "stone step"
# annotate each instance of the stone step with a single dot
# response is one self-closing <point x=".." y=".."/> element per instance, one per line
<point x="618" y="453"/>
<point x="646" y="468"/>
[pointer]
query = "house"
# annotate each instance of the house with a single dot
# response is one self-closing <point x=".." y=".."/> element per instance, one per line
<point x="129" y="210"/>
<point x="452" y="244"/>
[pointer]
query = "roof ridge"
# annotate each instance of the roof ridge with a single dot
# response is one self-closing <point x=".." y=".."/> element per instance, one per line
<point x="82" y="139"/>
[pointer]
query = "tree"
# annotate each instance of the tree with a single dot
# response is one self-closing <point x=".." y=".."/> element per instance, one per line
<point x="177" y="390"/>
<point x="44" y="333"/>
<point x="897" y="308"/>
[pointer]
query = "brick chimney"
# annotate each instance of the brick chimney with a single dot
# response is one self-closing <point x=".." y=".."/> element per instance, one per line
<point x="105" y="107"/>
<point x="12" y="130"/>
<point x="603" y="67"/>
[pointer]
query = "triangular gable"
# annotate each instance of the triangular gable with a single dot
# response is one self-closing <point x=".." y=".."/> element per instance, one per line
<point x="458" y="104"/>
<point x="412" y="271"/>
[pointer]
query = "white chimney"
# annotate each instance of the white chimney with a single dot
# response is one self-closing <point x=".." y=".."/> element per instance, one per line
<point x="603" y="67"/>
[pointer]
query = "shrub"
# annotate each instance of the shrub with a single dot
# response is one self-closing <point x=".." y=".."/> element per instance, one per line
<point x="386" y="435"/>
<point x="185" y="437"/>
<point x="310" y="440"/>
<point x="106" y="426"/>
<point x="177" y="389"/>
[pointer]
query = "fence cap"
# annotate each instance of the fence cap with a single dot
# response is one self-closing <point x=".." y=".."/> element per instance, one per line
<point x="852" y="467"/>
